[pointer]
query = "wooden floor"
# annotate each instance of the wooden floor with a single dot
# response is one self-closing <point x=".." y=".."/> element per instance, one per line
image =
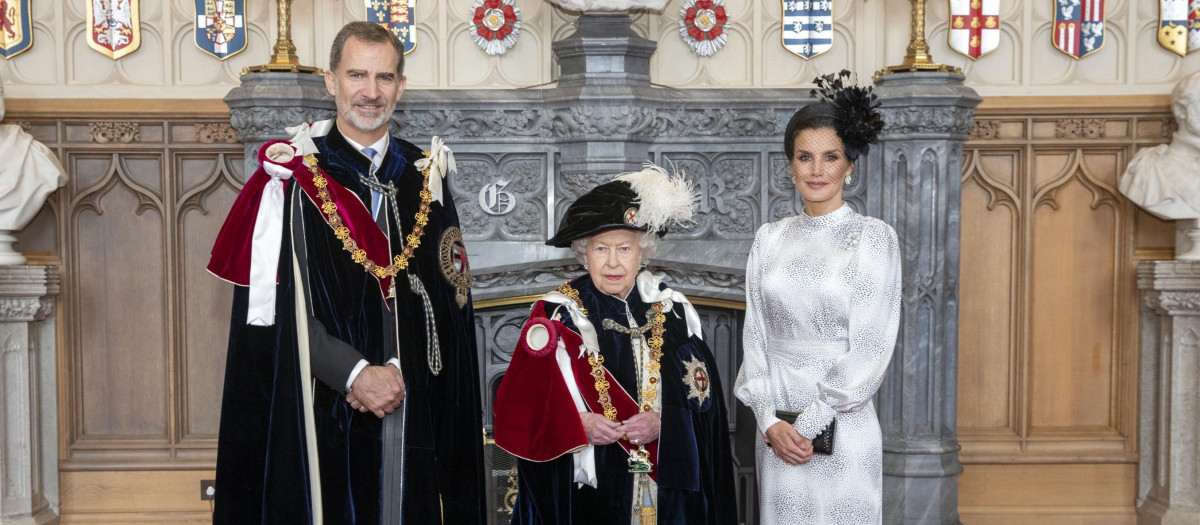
<point x="988" y="495"/>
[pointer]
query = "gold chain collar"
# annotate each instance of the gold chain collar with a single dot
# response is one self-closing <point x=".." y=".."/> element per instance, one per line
<point x="650" y="393"/>
<point x="413" y="240"/>
<point x="573" y="294"/>
<point x="653" y="368"/>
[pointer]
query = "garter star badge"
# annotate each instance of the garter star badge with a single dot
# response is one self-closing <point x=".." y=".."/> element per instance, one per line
<point x="974" y="27"/>
<point x="453" y="256"/>
<point x="1179" y="25"/>
<point x="630" y="216"/>
<point x="807" y="27"/>
<point x="115" y="28"/>
<point x="496" y="25"/>
<point x="696" y="378"/>
<point x="702" y="25"/>
<point x="397" y="16"/>
<point x="221" y="27"/>
<point x="16" y="34"/>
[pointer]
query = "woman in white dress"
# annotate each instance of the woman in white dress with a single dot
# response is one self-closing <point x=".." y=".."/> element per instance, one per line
<point x="822" y="311"/>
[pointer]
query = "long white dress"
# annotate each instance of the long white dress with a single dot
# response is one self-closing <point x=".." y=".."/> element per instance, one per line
<point x="822" y="311"/>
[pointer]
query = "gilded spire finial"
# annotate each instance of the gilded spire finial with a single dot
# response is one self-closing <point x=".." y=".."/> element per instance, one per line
<point x="284" y="58"/>
<point x="918" y="58"/>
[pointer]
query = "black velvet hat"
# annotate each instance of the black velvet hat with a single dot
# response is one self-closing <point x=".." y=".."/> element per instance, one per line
<point x="603" y="208"/>
<point x="649" y="200"/>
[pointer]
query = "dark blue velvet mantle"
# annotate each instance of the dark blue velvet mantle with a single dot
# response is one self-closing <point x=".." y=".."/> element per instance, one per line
<point x="262" y="474"/>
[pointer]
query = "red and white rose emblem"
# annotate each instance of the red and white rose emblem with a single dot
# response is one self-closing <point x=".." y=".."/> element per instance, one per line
<point x="496" y="25"/>
<point x="702" y="25"/>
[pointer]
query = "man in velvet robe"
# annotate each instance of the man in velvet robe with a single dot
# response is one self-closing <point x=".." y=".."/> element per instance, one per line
<point x="358" y="403"/>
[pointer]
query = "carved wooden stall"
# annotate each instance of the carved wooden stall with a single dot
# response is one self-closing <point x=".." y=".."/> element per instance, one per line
<point x="142" y="325"/>
<point x="1047" y="349"/>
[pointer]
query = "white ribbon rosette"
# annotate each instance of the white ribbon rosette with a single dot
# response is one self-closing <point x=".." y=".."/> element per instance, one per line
<point x="268" y="235"/>
<point x="440" y="163"/>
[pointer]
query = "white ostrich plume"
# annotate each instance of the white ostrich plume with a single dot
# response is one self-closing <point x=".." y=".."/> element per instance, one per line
<point x="663" y="199"/>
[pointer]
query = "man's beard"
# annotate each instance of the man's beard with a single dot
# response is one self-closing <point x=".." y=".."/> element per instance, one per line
<point x="346" y="110"/>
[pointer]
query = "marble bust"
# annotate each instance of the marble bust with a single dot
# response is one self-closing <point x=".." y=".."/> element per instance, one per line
<point x="1165" y="180"/>
<point x="29" y="174"/>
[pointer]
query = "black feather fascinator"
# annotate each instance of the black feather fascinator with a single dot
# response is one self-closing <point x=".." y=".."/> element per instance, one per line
<point x="855" y="114"/>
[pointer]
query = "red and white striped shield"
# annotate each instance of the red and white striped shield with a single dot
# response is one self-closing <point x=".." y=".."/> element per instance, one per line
<point x="1078" y="27"/>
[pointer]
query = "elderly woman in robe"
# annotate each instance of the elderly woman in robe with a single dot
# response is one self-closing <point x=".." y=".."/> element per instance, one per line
<point x="612" y="403"/>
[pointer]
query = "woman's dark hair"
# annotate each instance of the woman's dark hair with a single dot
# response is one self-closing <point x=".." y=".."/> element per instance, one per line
<point x="849" y="110"/>
<point x="818" y="115"/>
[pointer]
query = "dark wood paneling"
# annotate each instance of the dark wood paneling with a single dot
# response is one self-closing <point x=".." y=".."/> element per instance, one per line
<point x="144" y="325"/>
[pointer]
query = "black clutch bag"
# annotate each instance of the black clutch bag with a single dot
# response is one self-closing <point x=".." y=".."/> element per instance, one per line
<point x="823" y="443"/>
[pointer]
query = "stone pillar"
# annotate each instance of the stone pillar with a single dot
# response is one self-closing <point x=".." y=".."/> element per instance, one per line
<point x="1169" y="430"/>
<point x="602" y="120"/>
<point x="914" y="183"/>
<point x="28" y="407"/>
<point x="267" y="103"/>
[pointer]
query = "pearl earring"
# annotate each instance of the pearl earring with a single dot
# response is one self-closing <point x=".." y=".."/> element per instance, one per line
<point x="849" y="179"/>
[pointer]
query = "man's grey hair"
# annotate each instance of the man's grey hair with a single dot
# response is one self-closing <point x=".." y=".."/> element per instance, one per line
<point x="368" y="32"/>
<point x="648" y="241"/>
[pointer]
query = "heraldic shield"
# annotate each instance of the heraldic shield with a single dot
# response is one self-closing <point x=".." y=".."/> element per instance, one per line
<point x="974" y="27"/>
<point x="807" y="27"/>
<point x="115" y="25"/>
<point x="1078" y="27"/>
<point x="16" y="35"/>
<point x="221" y="27"/>
<point x="1178" y="25"/>
<point x="398" y="16"/>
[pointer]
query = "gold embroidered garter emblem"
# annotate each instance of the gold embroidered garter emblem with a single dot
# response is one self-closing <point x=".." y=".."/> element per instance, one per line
<point x="455" y="268"/>
<point x="696" y="378"/>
